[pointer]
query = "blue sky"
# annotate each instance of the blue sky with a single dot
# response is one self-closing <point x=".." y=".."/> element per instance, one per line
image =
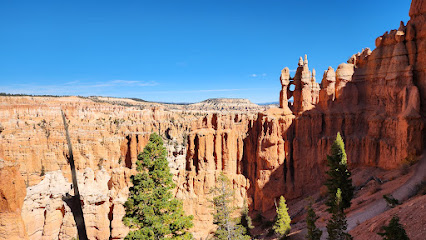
<point x="180" y="51"/>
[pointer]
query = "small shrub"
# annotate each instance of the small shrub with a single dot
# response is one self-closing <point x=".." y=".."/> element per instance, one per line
<point x="391" y="201"/>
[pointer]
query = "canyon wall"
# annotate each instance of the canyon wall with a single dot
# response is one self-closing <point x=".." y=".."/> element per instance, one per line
<point x="107" y="135"/>
<point x="377" y="100"/>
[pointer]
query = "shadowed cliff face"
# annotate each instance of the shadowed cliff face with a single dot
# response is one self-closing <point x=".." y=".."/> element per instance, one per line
<point x="377" y="101"/>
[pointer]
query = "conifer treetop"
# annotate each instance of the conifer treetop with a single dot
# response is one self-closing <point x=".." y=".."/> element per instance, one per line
<point x="282" y="224"/>
<point x="152" y="212"/>
<point x="338" y="149"/>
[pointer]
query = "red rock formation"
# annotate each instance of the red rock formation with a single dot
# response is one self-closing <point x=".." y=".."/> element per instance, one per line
<point x="12" y="194"/>
<point x="215" y="145"/>
<point x="373" y="100"/>
<point x="327" y="93"/>
<point x="285" y="81"/>
<point x="415" y="41"/>
<point x="267" y="158"/>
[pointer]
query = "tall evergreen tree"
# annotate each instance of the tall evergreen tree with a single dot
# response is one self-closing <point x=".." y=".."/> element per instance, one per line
<point x="227" y="228"/>
<point x="394" y="231"/>
<point x="151" y="210"/>
<point x="313" y="232"/>
<point x="245" y="220"/>
<point x="282" y="224"/>
<point x="337" y="225"/>
<point x="338" y="176"/>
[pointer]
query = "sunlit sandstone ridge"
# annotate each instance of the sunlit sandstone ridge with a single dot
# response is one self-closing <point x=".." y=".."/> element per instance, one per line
<point x="376" y="100"/>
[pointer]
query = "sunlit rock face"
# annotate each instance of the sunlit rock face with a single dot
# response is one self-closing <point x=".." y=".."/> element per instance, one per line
<point x="377" y="101"/>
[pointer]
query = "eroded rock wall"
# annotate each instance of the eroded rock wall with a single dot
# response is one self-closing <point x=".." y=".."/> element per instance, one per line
<point x="12" y="194"/>
<point x="215" y="145"/>
<point x="106" y="139"/>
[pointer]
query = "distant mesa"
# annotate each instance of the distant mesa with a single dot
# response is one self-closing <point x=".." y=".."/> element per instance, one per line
<point x="227" y="100"/>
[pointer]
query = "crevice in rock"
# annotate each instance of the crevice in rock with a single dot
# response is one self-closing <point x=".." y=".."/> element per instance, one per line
<point x="216" y="162"/>
<point x="214" y="121"/>
<point x="224" y="146"/>
<point x="285" y="170"/>
<point x="195" y="159"/>
<point x="110" y="218"/>
<point x="128" y="159"/>
<point x="291" y="150"/>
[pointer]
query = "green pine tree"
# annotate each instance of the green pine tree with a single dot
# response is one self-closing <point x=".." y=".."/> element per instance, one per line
<point x="338" y="176"/>
<point x="337" y="225"/>
<point x="282" y="224"/>
<point x="151" y="210"/>
<point x="394" y="231"/>
<point x="313" y="232"/>
<point x="245" y="220"/>
<point x="227" y="228"/>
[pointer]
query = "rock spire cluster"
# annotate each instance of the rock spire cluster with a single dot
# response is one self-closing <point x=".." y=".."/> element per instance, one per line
<point x="306" y="89"/>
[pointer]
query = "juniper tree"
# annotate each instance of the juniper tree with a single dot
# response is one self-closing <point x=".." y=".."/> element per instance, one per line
<point x="151" y="210"/>
<point x="314" y="233"/>
<point x="337" y="225"/>
<point x="227" y="228"/>
<point x="282" y="224"/>
<point x="338" y="176"/>
<point x="394" y="231"/>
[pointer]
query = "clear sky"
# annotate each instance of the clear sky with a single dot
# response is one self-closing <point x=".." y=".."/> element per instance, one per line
<point x="178" y="50"/>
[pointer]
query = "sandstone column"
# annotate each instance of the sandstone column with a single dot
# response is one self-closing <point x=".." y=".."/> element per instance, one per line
<point x="327" y="93"/>
<point x="285" y="81"/>
<point x="302" y="92"/>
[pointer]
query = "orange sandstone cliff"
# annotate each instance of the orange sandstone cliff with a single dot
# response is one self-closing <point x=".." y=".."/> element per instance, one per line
<point x="377" y="100"/>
